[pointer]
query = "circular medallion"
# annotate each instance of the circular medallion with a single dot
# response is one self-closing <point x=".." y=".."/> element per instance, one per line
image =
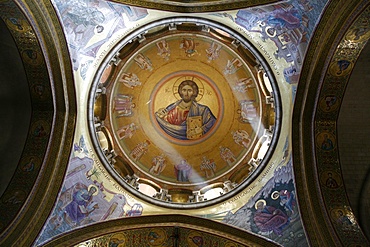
<point x="195" y="239"/>
<point x="329" y="103"/>
<point x="184" y="114"/>
<point x="341" y="68"/>
<point x="18" y="25"/>
<point x="179" y="121"/>
<point x="118" y="239"/>
<point x="331" y="179"/>
<point x="231" y="244"/>
<point x="156" y="237"/>
<point x="325" y="141"/>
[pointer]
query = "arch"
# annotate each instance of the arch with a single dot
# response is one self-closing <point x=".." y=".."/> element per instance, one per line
<point x="125" y="225"/>
<point x="30" y="196"/>
<point x="310" y="123"/>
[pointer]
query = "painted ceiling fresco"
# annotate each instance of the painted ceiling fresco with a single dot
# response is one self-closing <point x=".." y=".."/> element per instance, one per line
<point x="132" y="158"/>
<point x="192" y="125"/>
<point x="93" y="192"/>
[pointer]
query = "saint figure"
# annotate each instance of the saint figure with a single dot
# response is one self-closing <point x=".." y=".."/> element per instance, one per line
<point x="268" y="218"/>
<point x="183" y="171"/>
<point x="81" y="205"/>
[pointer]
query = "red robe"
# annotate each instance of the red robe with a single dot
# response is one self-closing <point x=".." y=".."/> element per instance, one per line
<point x="270" y="219"/>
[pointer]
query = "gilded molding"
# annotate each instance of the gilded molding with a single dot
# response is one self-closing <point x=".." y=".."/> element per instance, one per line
<point x="195" y="5"/>
<point x="53" y="120"/>
<point x="315" y="124"/>
<point x="126" y="224"/>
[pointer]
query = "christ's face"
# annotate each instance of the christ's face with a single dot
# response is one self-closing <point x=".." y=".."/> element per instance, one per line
<point x="187" y="93"/>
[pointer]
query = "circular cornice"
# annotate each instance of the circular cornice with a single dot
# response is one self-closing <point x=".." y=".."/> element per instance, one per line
<point x="193" y="6"/>
<point x="131" y="84"/>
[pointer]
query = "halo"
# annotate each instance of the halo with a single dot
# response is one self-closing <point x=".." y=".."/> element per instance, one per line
<point x="97" y="190"/>
<point x="257" y="202"/>
<point x="275" y="195"/>
<point x="193" y="78"/>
